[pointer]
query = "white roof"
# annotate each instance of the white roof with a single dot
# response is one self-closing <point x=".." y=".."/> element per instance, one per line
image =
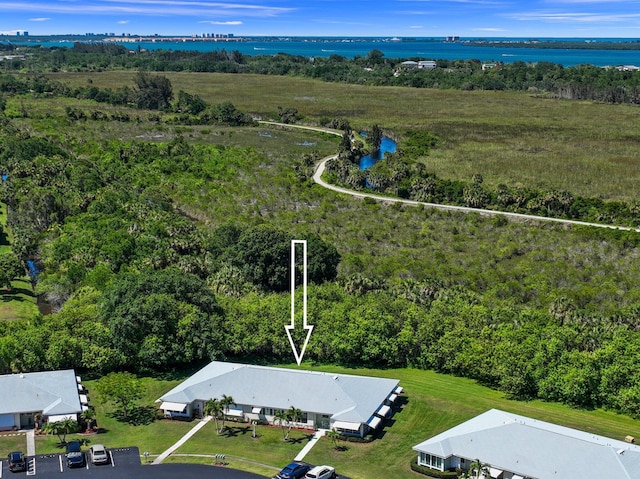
<point x="383" y="411"/>
<point x="533" y="448"/>
<point x="374" y="422"/>
<point x="52" y="392"/>
<point x="349" y="426"/>
<point x="343" y="397"/>
<point x="173" y="406"/>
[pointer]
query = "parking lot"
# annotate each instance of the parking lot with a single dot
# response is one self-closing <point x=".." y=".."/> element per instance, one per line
<point x="123" y="462"/>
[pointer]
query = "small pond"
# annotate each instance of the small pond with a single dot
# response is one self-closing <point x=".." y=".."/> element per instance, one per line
<point x="387" y="146"/>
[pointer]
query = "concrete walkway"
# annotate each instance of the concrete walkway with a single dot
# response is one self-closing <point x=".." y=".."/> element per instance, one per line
<point x="183" y="439"/>
<point x="31" y="442"/>
<point x="317" y="177"/>
<point x="318" y="434"/>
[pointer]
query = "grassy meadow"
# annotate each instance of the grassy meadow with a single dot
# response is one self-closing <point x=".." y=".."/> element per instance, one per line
<point x="511" y="262"/>
<point x="19" y="302"/>
<point x="513" y="138"/>
<point x="431" y="403"/>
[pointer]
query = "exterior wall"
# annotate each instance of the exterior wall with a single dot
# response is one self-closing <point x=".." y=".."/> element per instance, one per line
<point x="310" y="420"/>
<point x="323" y="421"/>
<point x="268" y="415"/>
<point x="197" y="407"/>
<point x="455" y="462"/>
<point x="26" y="419"/>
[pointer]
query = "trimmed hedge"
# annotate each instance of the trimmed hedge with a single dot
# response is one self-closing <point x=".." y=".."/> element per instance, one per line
<point x="432" y="472"/>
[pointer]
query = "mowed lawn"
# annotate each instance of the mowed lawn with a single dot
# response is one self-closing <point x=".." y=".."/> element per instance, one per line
<point x="515" y="138"/>
<point x="19" y="302"/>
<point x="431" y="404"/>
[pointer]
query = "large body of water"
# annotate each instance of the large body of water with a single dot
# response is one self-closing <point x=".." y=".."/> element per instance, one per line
<point x="428" y="49"/>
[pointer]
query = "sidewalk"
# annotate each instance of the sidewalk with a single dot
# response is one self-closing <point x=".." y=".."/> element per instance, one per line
<point x="305" y="450"/>
<point x="185" y="438"/>
<point x="31" y="443"/>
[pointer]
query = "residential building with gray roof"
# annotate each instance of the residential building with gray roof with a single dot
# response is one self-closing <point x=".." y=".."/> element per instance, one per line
<point x="54" y="395"/>
<point x="517" y="447"/>
<point x="352" y="404"/>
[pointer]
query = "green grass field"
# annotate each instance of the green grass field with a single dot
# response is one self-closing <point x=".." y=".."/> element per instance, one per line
<point x="513" y="138"/>
<point x="432" y="403"/>
<point x="19" y="302"/>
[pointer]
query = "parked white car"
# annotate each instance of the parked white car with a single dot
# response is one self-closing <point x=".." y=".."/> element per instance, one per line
<point x="321" y="472"/>
<point x="98" y="454"/>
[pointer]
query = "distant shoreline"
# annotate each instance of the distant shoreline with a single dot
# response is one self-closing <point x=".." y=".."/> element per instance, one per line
<point x="604" y="52"/>
<point x="555" y="44"/>
<point x="496" y="42"/>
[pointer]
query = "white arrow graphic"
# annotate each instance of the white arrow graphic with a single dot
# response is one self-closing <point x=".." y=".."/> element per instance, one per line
<point x="291" y="327"/>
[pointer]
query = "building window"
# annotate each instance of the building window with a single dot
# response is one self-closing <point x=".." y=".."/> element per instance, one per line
<point x="434" y="462"/>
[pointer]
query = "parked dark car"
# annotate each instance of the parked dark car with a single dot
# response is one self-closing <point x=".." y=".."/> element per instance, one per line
<point x="294" y="470"/>
<point x="17" y="462"/>
<point x="75" y="456"/>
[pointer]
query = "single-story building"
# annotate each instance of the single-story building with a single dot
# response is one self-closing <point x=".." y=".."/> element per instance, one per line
<point x="353" y="405"/>
<point x="517" y="447"/>
<point x="55" y="395"/>
<point x="428" y="64"/>
<point x="409" y="64"/>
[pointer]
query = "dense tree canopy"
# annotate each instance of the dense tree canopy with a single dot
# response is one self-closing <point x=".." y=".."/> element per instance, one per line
<point x="153" y="92"/>
<point x="162" y="318"/>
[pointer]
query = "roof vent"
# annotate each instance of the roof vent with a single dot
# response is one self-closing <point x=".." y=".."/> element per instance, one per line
<point x="21" y="376"/>
<point x="335" y="378"/>
<point x="620" y="451"/>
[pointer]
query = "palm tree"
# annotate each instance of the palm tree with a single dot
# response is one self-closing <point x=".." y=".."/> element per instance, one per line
<point x="87" y="417"/>
<point x="281" y="417"/>
<point x="61" y="428"/>
<point x="226" y="402"/>
<point x="293" y="414"/>
<point x="334" y="435"/>
<point x="479" y="469"/>
<point x="213" y="408"/>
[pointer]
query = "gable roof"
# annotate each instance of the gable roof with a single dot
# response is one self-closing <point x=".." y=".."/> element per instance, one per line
<point x="535" y="448"/>
<point x="343" y="397"/>
<point x="52" y="392"/>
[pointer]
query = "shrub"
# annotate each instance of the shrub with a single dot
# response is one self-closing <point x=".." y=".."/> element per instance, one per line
<point x="432" y="472"/>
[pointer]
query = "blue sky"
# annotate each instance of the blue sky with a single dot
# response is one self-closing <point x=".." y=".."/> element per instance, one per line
<point x="415" y="18"/>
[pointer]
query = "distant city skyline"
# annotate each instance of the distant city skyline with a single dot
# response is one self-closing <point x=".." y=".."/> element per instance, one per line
<point x="372" y="18"/>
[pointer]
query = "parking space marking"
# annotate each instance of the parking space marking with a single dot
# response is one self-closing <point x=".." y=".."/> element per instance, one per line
<point x="1" y="468"/>
<point x="60" y="461"/>
<point x="113" y="464"/>
<point x="31" y="467"/>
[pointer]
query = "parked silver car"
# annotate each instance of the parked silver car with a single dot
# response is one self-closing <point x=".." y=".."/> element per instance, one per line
<point x="98" y="454"/>
<point x="321" y="472"/>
